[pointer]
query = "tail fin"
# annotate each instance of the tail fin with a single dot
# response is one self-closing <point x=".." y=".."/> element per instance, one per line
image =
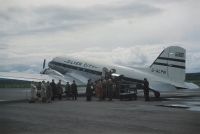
<point x="170" y="64"/>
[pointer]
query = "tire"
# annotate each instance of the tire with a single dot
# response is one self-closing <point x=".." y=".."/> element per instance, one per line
<point x="157" y="94"/>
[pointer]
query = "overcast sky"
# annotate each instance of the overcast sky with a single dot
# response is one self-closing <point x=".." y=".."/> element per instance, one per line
<point x="126" y="32"/>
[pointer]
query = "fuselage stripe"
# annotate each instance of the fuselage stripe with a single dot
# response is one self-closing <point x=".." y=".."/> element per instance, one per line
<point x="164" y="64"/>
<point x="171" y="59"/>
<point x="76" y="68"/>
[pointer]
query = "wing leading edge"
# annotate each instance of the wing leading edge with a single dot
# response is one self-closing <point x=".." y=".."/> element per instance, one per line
<point x="32" y="77"/>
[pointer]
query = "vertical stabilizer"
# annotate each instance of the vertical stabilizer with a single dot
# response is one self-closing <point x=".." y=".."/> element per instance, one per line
<point x="170" y="64"/>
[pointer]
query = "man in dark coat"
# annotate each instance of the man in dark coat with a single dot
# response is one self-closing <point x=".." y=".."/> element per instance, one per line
<point x="49" y="92"/>
<point x="89" y="91"/>
<point x="68" y="90"/>
<point x="146" y="89"/>
<point x="39" y="89"/>
<point x="74" y="90"/>
<point x="60" y="90"/>
<point x="54" y="89"/>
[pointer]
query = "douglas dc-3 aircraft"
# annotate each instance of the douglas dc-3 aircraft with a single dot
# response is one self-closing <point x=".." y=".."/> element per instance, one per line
<point x="167" y="72"/>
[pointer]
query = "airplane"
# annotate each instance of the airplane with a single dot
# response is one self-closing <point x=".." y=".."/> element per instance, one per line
<point x="166" y="73"/>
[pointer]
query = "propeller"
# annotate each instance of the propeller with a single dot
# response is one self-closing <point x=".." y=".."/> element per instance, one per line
<point x="44" y="63"/>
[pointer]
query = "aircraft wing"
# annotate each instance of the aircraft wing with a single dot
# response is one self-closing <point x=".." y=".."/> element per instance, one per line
<point x="32" y="77"/>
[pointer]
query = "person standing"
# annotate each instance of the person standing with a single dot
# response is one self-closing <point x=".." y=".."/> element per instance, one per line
<point x="60" y="90"/>
<point x="74" y="90"/>
<point x="110" y="89"/>
<point x="96" y="87"/>
<point x="49" y="92"/>
<point x="89" y="91"/>
<point x="104" y="89"/>
<point x="54" y="89"/>
<point x="33" y="92"/>
<point x="99" y="90"/>
<point x="43" y="91"/>
<point x="39" y="90"/>
<point x="146" y="89"/>
<point x="68" y="90"/>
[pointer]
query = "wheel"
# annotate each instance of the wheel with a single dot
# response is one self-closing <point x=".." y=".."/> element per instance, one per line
<point x="157" y="94"/>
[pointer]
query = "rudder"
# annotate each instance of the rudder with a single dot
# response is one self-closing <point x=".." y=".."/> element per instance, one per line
<point x="170" y="64"/>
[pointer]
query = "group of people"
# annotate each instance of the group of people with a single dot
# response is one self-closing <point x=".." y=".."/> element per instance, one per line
<point x="108" y="88"/>
<point x="47" y="92"/>
<point x="71" y="91"/>
<point x="102" y="88"/>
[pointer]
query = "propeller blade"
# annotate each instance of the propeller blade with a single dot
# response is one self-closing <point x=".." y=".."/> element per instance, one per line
<point x="44" y="63"/>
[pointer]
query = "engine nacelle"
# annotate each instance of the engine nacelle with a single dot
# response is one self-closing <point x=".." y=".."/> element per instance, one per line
<point x="50" y="71"/>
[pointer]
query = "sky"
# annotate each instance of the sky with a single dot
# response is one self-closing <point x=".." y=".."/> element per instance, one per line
<point x="125" y="32"/>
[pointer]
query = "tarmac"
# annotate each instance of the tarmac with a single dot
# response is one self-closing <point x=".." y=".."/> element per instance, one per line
<point x="169" y="115"/>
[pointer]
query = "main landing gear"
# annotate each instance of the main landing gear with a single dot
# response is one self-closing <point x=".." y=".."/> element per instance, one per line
<point x="157" y="94"/>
